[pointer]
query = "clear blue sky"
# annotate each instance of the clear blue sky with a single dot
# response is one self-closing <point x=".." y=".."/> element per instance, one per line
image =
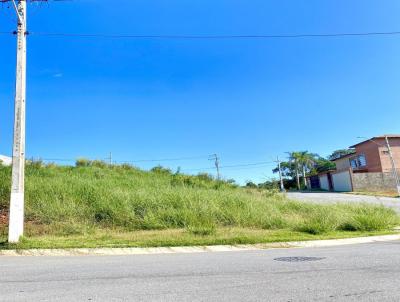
<point x="247" y="100"/>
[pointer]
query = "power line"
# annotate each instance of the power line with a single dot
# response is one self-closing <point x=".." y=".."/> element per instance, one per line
<point x="128" y="161"/>
<point x="163" y="159"/>
<point x="247" y="165"/>
<point x="209" y="37"/>
<point x="244" y="166"/>
<point x="128" y="36"/>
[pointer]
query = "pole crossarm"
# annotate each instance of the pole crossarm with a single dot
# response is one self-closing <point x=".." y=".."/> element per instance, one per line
<point x="20" y="18"/>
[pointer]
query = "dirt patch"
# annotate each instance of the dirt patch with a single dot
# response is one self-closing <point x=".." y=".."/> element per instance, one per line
<point x="3" y="217"/>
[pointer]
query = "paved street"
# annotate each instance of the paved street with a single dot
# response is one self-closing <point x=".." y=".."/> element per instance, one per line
<point x="368" y="272"/>
<point x="328" y="197"/>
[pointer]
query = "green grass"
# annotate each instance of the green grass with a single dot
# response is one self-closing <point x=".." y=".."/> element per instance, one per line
<point x="76" y="204"/>
<point x="175" y="237"/>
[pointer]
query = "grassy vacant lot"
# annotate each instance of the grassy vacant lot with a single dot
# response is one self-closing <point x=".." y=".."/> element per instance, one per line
<point x="93" y="204"/>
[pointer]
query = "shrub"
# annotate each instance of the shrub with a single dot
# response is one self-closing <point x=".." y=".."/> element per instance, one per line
<point x="161" y="170"/>
<point x="34" y="163"/>
<point x="99" y="164"/>
<point x="83" y="162"/>
<point x="205" y="177"/>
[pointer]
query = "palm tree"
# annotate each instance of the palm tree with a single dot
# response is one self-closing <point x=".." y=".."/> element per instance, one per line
<point x="302" y="159"/>
<point x="307" y="161"/>
<point x="294" y="157"/>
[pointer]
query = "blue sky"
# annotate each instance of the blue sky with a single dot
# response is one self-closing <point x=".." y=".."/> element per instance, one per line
<point x="247" y="100"/>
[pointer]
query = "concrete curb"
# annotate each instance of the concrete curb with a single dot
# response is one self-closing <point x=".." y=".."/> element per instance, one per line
<point x="196" y="249"/>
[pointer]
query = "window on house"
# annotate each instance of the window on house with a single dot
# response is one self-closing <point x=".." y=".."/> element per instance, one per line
<point x="358" y="161"/>
<point x="362" y="161"/>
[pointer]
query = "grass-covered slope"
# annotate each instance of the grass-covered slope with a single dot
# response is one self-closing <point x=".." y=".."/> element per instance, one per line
<point x="93" y="196"/>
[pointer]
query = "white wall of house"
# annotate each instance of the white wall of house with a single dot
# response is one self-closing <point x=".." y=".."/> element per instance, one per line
<point x="324" y="183"/>
<point x="342" y="182"/>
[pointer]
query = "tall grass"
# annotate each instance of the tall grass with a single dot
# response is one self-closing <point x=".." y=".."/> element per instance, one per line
<point x="76" y="200"/>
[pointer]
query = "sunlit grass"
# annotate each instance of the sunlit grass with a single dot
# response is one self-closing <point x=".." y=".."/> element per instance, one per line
<point x="75" y="202"/>
<point x="174" y="237"/>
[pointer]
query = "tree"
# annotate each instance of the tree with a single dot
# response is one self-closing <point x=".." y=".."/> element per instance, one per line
<point x="287" y="168"/>
<point x="294" y="157"/>
<point x="322" y="165"/>
<point x="305" y="161"/>
<point x="300" y="162"/>
<point x="250" y="184"/>
<point x="339" y="153"/>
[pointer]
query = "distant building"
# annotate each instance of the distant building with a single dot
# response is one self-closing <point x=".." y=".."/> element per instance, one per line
<point x="369" y="168"/>
<point x="5" y="160"/>
<point x="373" y="156"/>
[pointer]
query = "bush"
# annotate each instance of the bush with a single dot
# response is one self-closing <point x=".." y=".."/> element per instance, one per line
<point x="99" y="164"/>
<point x="34" y="163"/>
<point x="161" y="170"/>
<point x="83" y="162"/>
<point x="205" y="177"/>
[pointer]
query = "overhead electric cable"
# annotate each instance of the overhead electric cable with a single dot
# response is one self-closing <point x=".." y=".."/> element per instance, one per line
<point x="208" y="37"/>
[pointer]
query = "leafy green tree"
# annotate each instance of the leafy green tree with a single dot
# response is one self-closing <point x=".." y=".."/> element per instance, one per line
<point x="294" y="157"/>
<point x="301" y="163"/>
<point x="306" y="161"/>
<point x="287" y="168"/>
<point x="339" y="153"/>
<point x="322" y="165"/>
<point x="250" y="184"/>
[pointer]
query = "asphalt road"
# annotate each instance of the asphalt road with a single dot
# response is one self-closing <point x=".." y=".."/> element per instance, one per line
<point x="328" y="197"/>
<point x="369" y="272"/>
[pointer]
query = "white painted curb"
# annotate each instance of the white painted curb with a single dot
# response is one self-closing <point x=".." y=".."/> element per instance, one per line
<point x="196" y="249"/>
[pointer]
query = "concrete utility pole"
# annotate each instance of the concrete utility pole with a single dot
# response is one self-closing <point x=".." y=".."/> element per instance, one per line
<point x="110" y="159"/>
<point x="280" y="174"/>
<point x="216" y="162"/>
<point x="16" y="224"/>
<point x="395" y="173"/>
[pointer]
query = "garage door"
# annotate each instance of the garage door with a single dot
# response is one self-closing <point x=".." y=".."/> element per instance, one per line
<point x="342" y="182"/>
<point x="324" y="182"/>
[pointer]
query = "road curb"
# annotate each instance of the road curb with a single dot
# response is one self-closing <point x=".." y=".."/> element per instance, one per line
<point x="196" y="249"/>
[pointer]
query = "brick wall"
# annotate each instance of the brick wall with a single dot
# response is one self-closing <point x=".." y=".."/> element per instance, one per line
<point x="377" y="158"/>
<point x="372" y="155"/>
<point x="385" y="158"/>
<point x="376" y="181"/>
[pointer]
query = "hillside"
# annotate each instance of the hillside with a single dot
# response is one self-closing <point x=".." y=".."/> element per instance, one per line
<point x="91" y="197"/>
